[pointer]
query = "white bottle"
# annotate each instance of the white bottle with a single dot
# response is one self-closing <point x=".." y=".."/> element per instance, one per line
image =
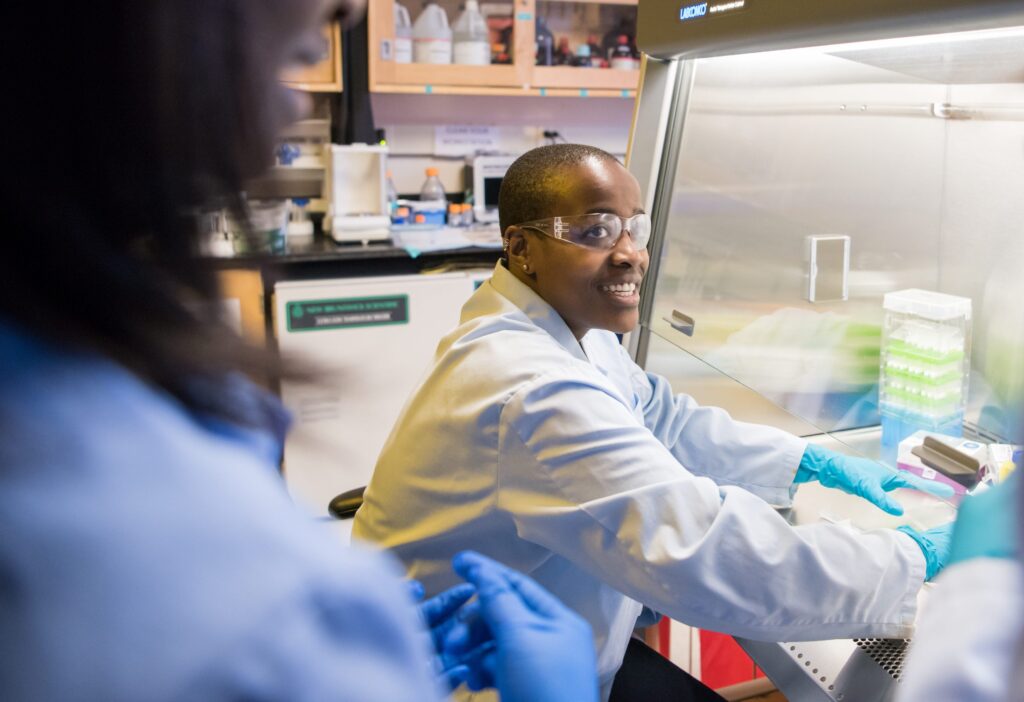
<point x="403" y="35"/>
<point x="431" y="36"/>
<point x="472" y="41"/>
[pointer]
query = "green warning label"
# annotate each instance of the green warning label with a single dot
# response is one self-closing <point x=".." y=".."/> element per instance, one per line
<point x="312" y="315"/>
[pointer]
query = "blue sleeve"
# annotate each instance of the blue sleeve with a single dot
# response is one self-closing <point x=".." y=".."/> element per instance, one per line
<point x="357" y="640"/>
<point x="149" y="556"/>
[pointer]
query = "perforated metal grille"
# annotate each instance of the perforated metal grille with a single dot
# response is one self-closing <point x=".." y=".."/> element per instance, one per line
<point x="887" y="653"/>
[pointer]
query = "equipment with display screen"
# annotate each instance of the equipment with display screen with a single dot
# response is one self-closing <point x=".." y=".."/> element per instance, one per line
<point x="488" y="172"/>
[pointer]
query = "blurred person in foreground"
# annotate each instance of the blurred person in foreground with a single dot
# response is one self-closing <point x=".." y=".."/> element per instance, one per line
<point x="149" y="548"/>
<point x="970" y="638"/>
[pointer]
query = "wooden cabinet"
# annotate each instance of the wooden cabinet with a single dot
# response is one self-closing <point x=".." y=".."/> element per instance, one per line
<point x="242" y="298"/>
<point x="325" y="76"/>
<point x="520" y="77"/>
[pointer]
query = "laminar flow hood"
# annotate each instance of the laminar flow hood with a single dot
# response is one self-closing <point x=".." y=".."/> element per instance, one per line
<point x="670" y="29"/>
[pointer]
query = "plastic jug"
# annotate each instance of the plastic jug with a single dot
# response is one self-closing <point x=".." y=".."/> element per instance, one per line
<point x="472" y="41"/>
<point x="403" y="35"/>
<point x="431" y="36"/>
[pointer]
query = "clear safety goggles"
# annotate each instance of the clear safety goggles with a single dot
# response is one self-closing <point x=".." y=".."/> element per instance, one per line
<point x="595" y="231"/>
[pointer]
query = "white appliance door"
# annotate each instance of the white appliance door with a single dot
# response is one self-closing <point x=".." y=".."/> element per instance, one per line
<point x="369" y="342"/>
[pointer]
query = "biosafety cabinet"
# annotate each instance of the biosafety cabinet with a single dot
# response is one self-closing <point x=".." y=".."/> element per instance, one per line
<point x="802" y="160"/>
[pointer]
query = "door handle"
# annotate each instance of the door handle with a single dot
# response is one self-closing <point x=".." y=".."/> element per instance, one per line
<point x="681" y="322"/>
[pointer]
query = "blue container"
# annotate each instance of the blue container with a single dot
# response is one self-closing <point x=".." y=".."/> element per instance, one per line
<point x="898" y="425"/>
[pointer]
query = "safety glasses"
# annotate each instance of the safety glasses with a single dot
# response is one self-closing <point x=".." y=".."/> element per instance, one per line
<point x="595" y="231"/>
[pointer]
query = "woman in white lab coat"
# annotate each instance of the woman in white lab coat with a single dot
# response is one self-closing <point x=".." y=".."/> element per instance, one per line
<point x="535" y="439"/>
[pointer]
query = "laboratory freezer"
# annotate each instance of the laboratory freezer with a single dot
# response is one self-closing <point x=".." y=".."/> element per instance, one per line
<point x="367" y="343"/>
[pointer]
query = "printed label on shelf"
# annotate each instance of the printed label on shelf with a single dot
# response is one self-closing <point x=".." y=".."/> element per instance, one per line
<point x="318" y="315"/>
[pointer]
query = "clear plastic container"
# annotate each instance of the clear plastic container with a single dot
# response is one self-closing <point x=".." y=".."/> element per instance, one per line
<point x="268" y="226"/>
<point x="300" y="226"/>
<point x="392" y="194"/>
<point x="403" y="35"/>
<point x="472" y="40"/>
<point x="925" y="365"/>
<point x="432" y="190"/>
<point x="431" y="36"/>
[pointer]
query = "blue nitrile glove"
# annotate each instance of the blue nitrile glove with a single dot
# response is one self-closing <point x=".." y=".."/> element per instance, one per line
<point x="540" y="650"/>
<point x="863" y="477"/>
<point x="986" y="524"/>
<point x="935" y="544"/>
<point x="441" y="615"/>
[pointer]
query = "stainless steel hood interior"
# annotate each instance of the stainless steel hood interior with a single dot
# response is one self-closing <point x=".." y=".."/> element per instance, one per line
<point x="669" y="29"/>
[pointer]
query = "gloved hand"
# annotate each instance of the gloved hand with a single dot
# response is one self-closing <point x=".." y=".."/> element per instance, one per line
<point x="863" y="477"/>
<point x="524" y="642"/>
<point x="441" y="616"/>
<point x="986" y="524"/>
<point x="935" y="544"/>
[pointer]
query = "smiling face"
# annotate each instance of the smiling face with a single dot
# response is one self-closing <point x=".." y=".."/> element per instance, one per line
<point x="589" y="288"/>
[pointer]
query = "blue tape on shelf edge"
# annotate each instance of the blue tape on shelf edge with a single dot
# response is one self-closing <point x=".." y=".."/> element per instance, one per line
<point x="625" y="93"/>
<point x="583" y="92"/>
<point x="543" y="92"/>
<point x="428" y="89"/>
<point x="524" y="16"/>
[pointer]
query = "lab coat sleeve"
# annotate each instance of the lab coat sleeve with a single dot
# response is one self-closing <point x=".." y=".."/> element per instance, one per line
<point x="968" y="635"/>
<point x="581" y="477"/>
<point x="356" y="638"/>
<point x="709" y="442"/>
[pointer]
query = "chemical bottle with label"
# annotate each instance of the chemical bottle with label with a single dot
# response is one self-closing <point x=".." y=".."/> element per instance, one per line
<point x="499" y="54"/>
<point x="472" y="41"/>
<point x="563" y="54"/>
<point x="545" y="41"/>
<point x="622" y="56"/>
<point x="403" y="35"/>
<point x="582" y="58"/>
<point x="431" y="36"/>
<point x="432" y="190"/>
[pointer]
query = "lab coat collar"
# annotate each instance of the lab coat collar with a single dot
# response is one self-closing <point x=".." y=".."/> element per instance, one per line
<point x="536" y="309"/>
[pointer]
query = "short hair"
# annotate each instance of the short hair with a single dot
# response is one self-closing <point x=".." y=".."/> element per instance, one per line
<point x="535" y="180"/>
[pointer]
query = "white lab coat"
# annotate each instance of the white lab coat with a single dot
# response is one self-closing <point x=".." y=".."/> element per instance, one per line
<point x="575" y="466"/>
<point x="969" y="636"/>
